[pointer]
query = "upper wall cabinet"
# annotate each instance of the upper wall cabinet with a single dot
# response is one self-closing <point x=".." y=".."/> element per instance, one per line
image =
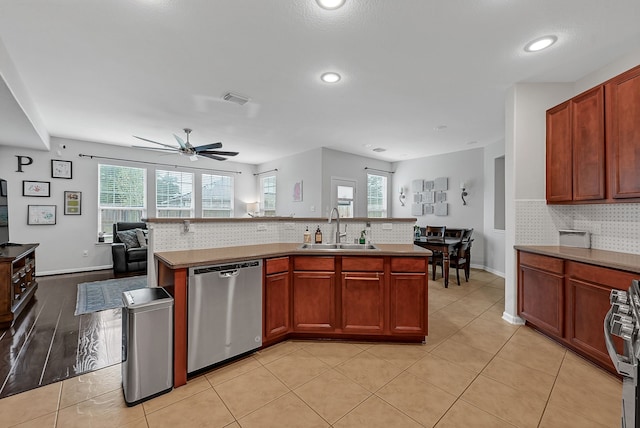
<point x="582" y="165"/>
<point x="623" y="134"/>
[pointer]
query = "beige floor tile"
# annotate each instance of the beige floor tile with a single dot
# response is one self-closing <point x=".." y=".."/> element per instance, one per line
<point x="287" y="411"/>
<point x="486" y="293"/>
<point x="107" y="410"/>
<point x="232" y="425"/>
<point x="443" y="374"/>
<point x="231" y="370"/>
<point x="375" y="413"/>
<point x="297" y="368"/>
<point x="468" y="304"/>
<point x="438" y="333"/>
<point x="332" y="395"/>
<point x="504" y="402"/>
<point x="89" y="385"/>
<point x="272" y="353"/>
<point x="555" y="417"/>
<point x="140" y="423"/>
<point x="46" y="421"/>
<point x="422" y="401"/>
<point x="545" y="360"/>
<point x="30" y="404"/>
<point x="193" y="386"/>
<point x="334" y="353"/>
<point x="494" y="326"/>
<point x="368" y="370"/>
<point x="463" y="355"/>
<point x="463" y="415"/>
<point x="526" y="336"/>
<point x="496" y="283"/>
<point x="454" y="316"/>
<point x="250" y="391"/>
<point x="202" y="409"/>
<point x="481" y="339"/>
<point x="534" y="382"/>
<point x="400" y="354"/>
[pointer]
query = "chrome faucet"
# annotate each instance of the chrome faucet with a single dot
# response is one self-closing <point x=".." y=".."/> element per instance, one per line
<point x="338" y="234"/>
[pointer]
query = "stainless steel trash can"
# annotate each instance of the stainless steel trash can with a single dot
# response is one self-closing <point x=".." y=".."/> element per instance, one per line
<point x="147" y="344"/>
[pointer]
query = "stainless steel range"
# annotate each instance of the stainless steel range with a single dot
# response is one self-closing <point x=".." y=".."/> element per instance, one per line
<point x="623" y="320"/>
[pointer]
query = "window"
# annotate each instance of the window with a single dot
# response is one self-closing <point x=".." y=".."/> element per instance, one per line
<point x="122" y="196"/>
<point x="376" y="195"/>
<point x="268" y="192"/>
<point x="217" y="196"/>
<point x="174" y="194"/>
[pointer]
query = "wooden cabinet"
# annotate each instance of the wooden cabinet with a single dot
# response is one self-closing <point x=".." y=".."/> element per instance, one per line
<point x="568" y="301"/>
<point x="576" y="149"/>
<point x="17" y="280"/>
<point x="277" y="299"/>
<point x="541" y="292"/>
<point x="314" y="292"/>
<point x="593" y="144"/>
<point x="363" y="295"/>
<point x="408" y="296"/>
<point x="623" y="134"/>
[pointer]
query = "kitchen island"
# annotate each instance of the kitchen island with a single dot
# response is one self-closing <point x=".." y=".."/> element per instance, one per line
<point x="379" y="294"/>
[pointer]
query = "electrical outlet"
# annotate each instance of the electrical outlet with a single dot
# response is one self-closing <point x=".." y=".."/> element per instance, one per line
<point x="85" y="253"/>
<point x="262" y="227"/>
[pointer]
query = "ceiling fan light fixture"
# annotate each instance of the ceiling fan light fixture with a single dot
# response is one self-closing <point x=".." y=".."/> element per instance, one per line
<point x="235" y="98"/>
<point x="330" y="77"/>
<point x="330" y="4"/>
<point x="540" y="43"/>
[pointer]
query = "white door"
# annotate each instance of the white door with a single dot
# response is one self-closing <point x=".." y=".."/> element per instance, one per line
<point x="343" y="196"/>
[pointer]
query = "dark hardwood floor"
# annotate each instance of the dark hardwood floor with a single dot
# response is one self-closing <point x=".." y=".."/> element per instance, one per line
<point x="47" y="343"/>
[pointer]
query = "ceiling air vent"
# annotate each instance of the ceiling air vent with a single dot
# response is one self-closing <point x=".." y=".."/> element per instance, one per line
<point x="235" y="98"/>
<point x="379" y="150"/>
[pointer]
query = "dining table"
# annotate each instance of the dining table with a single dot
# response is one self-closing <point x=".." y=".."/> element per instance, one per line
<point x="446" y="246"/>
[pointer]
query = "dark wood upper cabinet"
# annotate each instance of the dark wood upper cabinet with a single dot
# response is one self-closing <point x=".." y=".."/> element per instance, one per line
<point x="623" y="134"/>
<point x="559" y="171"/>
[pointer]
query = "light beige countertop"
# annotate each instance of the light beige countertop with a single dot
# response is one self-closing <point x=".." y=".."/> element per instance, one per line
<point x="190" y="258"/>
<point x="609" y="259"/>
<point x="280" y="219"/>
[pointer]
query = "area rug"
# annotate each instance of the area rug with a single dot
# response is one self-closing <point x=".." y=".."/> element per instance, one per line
<point x="100" y="295"/>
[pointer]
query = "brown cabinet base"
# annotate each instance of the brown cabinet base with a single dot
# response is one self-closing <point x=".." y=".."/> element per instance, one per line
<point x="17" y="280"/>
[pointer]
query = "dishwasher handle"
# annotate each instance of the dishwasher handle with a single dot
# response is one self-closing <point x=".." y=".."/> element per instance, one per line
<point x="229" y="273"/>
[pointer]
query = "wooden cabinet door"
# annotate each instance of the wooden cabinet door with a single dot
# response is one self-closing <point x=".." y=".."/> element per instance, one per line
<point x="587" y="133"/>
<point x="559" y="171"/>
<point x="314" y="301"/>
<point x="408" y="303"/>
<point x="363" y="302"/>
<point x="541" y="292"/>
<point x="623" y="134"/>
<point x="277" y="310"/>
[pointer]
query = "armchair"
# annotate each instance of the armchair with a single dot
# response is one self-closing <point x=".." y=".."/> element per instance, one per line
<point x="128" y="255"/>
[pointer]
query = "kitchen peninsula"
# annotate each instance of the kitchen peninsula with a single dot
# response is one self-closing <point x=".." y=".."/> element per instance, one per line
<point x="374" y="294"/>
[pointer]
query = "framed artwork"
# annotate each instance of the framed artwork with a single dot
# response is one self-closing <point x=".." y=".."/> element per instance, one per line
<point x="41" y="214"/>
<point x="297" y="191"/>
<point x="72" y="203"/>
<point x="60" y="168"/>
<point x="3" y="188"/>
<point x="36" y="188"/>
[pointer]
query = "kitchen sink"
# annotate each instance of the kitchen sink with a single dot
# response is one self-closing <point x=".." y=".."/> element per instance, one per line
<point x="336" y="247"/>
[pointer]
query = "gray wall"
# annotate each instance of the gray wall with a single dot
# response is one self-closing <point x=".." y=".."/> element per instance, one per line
<point x="493" y="238"/>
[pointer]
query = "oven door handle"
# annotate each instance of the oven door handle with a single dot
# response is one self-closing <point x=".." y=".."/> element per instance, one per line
<point x="620" y="362"/>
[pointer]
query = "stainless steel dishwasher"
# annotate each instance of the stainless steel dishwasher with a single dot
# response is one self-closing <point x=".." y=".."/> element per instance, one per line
<point x="225" y="313"/>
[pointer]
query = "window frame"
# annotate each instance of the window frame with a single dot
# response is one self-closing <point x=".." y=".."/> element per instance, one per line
<point x="384" y="195"/>
<point x="190" y="210"/>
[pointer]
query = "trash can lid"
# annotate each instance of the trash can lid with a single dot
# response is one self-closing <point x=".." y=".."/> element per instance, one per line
<point x="147" y="296"/>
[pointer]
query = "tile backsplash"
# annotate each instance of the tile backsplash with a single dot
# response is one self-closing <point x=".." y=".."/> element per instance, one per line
<point x="613" y="227"/>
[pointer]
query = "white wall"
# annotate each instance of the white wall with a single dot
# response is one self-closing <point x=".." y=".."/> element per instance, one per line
<point x="467" y="166"/>
<point x="62" y="245"/>
<point x="493" y="239"/>
<point x="305" y="167"/>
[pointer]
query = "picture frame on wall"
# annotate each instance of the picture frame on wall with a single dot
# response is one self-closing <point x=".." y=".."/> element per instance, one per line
<point x="72" y="203"/>
<point x="36" y="188"/>
<point x="41" y="214"/>
<point x="297" y="191"/>
<point x="3" y="188"/>
<point x="61" y="169"/>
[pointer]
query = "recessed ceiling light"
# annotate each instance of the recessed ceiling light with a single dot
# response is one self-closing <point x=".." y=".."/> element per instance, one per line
<point x="330" y="4"/>
<point x="330" y="77"/>
<point x="540" y="43"/>
<point x="379" y="150"/>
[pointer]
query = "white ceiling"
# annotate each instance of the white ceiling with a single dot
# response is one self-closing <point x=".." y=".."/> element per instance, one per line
<point x="106" y="70"/>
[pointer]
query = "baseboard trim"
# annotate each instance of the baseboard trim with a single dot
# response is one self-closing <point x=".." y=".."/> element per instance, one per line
<point x="511" y="319"/>
<point x="495" y="272"/>
<point x="73" y="270"/>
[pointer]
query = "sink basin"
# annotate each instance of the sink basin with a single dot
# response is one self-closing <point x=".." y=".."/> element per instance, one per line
<point x="340" y="246"/>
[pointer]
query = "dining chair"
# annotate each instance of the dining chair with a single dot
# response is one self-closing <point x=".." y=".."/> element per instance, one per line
<point x="460" y="259"/>
<point x="433" y="232"/>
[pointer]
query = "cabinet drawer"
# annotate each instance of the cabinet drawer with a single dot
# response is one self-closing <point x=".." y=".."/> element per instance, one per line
<point x="546" y="263"/>
<point x="600" y="275"/>
<point x="408" y="264"/>
<point x="363" y="264"/>
<point x="281" y="264"/>
<point x="314" y="263"/>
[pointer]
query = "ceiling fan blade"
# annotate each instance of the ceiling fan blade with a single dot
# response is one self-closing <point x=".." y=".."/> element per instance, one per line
<point x="180" y="141"/>
<point x="157" y="149"/>
<point x="154" y="142"/>
<point x="208" y="147"/>
<point x="210" y="156"/>
<point x="218" y="152"/>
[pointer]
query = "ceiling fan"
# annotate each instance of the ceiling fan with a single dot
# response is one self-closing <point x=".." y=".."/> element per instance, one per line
<point x="185" y="148"/>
